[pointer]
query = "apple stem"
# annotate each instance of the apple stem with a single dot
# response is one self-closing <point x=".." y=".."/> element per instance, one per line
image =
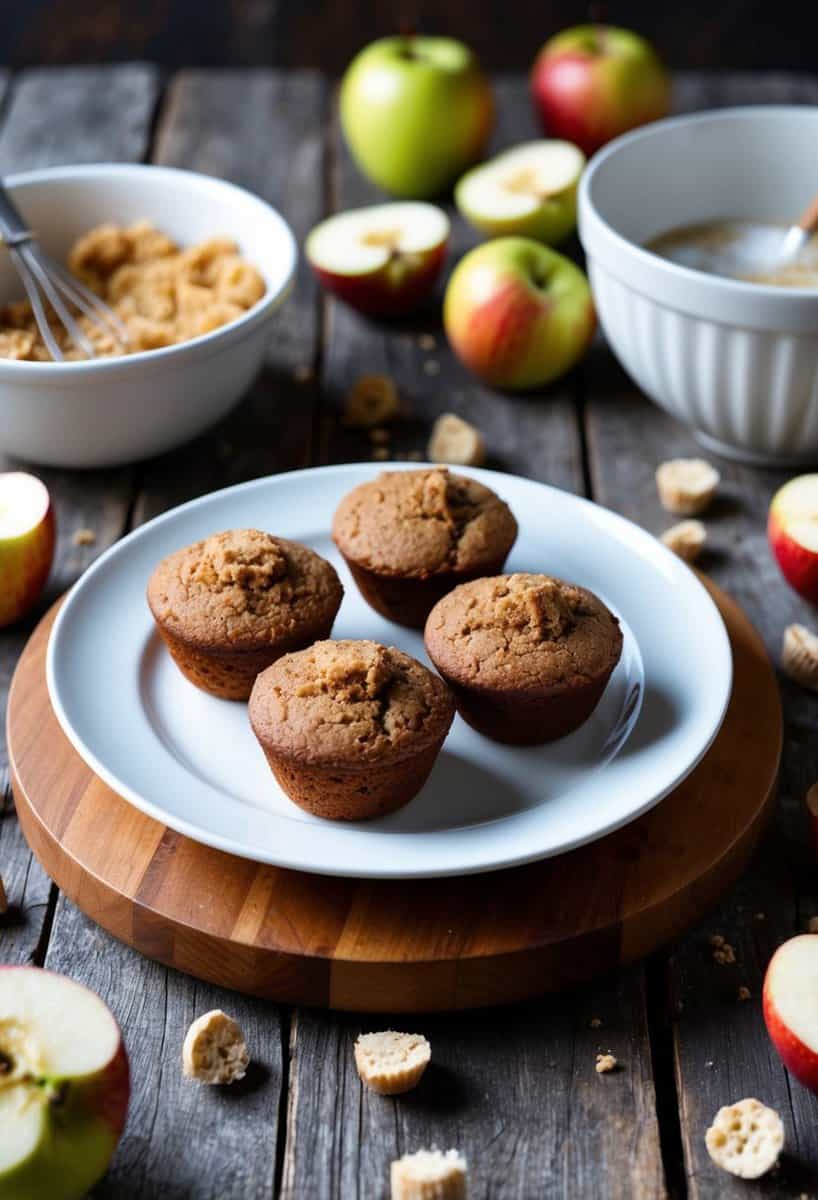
<point x="6" y="1063"/>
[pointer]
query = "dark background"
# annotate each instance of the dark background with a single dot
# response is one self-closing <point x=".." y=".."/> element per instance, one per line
<point x="320" y="33"/>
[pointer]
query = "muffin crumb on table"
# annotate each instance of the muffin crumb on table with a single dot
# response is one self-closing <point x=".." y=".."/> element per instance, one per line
<point x="391" y="1063"/>
<point x="429" y="1175"/>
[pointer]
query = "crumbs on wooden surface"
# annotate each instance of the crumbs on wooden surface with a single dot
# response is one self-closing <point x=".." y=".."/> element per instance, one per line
<point x="605" y="1063"/>
<point x="744" y="993"/>
<point x="723" y="952"/>
<point x="595" y="1022"/>
<point x="83" y="537"/>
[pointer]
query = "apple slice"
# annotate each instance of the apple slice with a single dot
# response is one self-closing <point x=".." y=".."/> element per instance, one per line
<point x="790" y="1003"/>
<point x="27" y="534"/>
<point x="530" y="191"/>
<point x="64" y="1085"/>
<point x="383" y="260"/>
<point x="792" y="529"/>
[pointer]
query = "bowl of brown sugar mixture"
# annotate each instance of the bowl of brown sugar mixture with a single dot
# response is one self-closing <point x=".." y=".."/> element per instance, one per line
<point x="194" y="268"/>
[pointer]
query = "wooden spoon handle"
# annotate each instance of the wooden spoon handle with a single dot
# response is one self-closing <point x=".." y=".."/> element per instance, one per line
<point x="809" y="217"/>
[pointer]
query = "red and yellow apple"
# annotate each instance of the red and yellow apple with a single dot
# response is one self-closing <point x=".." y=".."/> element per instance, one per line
<point x="790" y="1004"/>
<point x="593" y="82"/>
<point x="415" y="111"/>
<point x="517" y="313"/>
<point x="528" y="191"/>
<point x="383" y="260"/>
<point x="64" y="1086"/>
<point x="27" y="536"/>
<point x="792" y="528"/>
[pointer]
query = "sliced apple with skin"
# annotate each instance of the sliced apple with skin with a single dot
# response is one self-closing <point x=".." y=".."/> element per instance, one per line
<point x="383" y="260"/>
<point x="530" y="191"/>
<point x="792" y="529"/>
<point x="27" y="535"/>
<point x="64" y="1085"/>
<point x="790" y="1003"/>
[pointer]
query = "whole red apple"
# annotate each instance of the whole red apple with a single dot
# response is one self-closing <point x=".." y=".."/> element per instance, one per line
<point x="593" y="82"/>
<point x="517" y="313"/>
<point x="790" y="1004"/>
<point x="792" y="528"/>
<point x="27" y="535"/>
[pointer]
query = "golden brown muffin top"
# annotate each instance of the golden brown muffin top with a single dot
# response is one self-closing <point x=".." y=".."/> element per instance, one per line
<point x="243" y="589"/>
<point x="349" y="703"/>
<point x="522" y="632"/>
<point x="422" y="523"/>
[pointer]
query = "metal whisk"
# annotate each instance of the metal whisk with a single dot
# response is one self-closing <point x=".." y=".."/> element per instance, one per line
<point x="47" y="281"/>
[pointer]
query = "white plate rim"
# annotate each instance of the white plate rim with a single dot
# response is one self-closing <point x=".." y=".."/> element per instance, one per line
<point x="680" y="574"/>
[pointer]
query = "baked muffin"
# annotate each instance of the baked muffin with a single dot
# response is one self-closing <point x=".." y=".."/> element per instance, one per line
<point x="232" y="604"/>
<point x="527" y="656"/>
<point x="351" y="729"/>
<point x="409" y="537"/>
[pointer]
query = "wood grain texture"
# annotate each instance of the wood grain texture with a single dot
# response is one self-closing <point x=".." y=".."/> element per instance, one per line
<point x="397" y="946"/>
<point x="535" y="435"/>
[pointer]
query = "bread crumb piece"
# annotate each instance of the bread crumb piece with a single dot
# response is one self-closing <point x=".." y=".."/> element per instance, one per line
<point x="686" y="540"/>
<point x="303" y="373"/>
<point x="595" y="1022"/>
<point x="83" y="537"/>
<point x="724" y="954"/>
<point x="799" y="656"/>
<point x="4" y="903"/>
<point x="429" y="1175"/>
<point x="214" y="1049"/>
<point x="744" y="993"/>
<point x="745" y="1139"/>
<point x="380" y="453"/>
<point x="391" y="1063"/>
<point x="605" y="1063"/>
<point x="427" y="342"/>
<point x="379" y="436"/>
<point x="760" y="916"/>
<point x="717" y="940"/>
<point x="372" y="401"/>
<point x="454" y="440"/>
<point x="431" y="366"/>
<point x="686" y="486"/>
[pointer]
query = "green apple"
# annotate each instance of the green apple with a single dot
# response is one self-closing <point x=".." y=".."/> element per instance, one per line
<point x="517" y="313"/>
<point x="64" y="1086"/>
<point x="593" y="82"/>
<point x="529" y="191"/>
<point x="27" y="534"/>
<point x="415" y="111"/>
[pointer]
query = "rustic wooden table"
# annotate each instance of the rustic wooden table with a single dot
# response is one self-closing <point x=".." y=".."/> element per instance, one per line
<point x="515" y="1089"/>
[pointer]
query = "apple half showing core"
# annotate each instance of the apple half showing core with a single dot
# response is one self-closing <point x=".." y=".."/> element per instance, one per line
<point x="790" y="1002"/>
<point x="27" y="535"/>
<point x="383" y="260"/>
<point x="64" y="1086"/>
<point x="530" y="191"/>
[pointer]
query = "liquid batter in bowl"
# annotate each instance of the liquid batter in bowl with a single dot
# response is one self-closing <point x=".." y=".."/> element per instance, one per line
<point x="738" y="250"/>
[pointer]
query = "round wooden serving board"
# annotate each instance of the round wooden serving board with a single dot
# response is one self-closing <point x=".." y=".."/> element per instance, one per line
<point x="399" y="946"/>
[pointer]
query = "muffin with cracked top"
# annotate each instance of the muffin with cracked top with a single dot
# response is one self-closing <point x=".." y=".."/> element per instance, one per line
<point x="409" y="537"/>
<point x="230" y="605"/>
<point x="350" y="729"/>
<point x="527" y="656"/>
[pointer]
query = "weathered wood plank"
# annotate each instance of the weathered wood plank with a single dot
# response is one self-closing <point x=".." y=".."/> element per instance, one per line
<point x="264" y="131"/>
<point x="182" y="1139"/>
<point x="722" y="1052"/>
<point x="534" y="435"/>
<point x="64" y="116"/>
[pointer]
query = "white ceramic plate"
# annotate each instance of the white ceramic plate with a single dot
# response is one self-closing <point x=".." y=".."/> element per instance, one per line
<point x="191" y="761"/>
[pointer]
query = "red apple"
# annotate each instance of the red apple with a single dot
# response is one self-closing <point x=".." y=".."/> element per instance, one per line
<point x="790" y="1003"/>
<point x="517" y="313"/>
<point x="383" y="260"/>
<point x="792" y="528"/>
<point x="591" y="83"/>
<point x="27" y="535"/>
<point x="64" y="1085"/>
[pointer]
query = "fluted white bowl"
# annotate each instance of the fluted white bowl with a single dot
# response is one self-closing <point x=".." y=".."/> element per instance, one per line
<point x="106" y="411"/>
<point x="738" y="362"/>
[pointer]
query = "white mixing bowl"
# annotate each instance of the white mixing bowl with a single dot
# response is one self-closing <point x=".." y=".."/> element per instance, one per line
<point x="736" y="361"/>
<point x="113" y="410"/>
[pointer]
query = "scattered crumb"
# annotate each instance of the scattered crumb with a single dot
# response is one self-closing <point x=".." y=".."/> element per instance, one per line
<point x="303" y="373"/>
<point x="812" y="925"/>
<point x="214" y="1049"/>
<point x="429" y="1175"/>
<point x="391" y="1063"/>
<point x="760" y="916"/>
<point x="605" y="1063"/>
<point x="379" y="436"/>
<point x="595" y="1022"/>
<point x="454" y="440"/>
<point x="709" y="1063"/>
<point x="799" y="656"/>
<point x="744" y="993"/>
<point x="745" y="1139"/>
<point x="427" y="342"/>
<point x="371" y="401"/>
<point x="723" y="952"/>
<point x="4" y="904"/>
<point x="717" y="940"/>
<point x="415" y="456"/>
<point x="686" y="486"/>
<point x="686" y="540"/>
<point x="431" y="366"/>
<point x="83" y="537"/>
<point x="380" y="453"/>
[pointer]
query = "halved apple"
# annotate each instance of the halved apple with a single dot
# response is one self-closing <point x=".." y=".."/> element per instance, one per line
<point x="793" y="532"/>
<point x="27" y="535"/>
<point x="64" y="1085"/>
<point x="790" y="1003"/>
<point x="384" y="259"/>
<point x="530" y="191"/>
